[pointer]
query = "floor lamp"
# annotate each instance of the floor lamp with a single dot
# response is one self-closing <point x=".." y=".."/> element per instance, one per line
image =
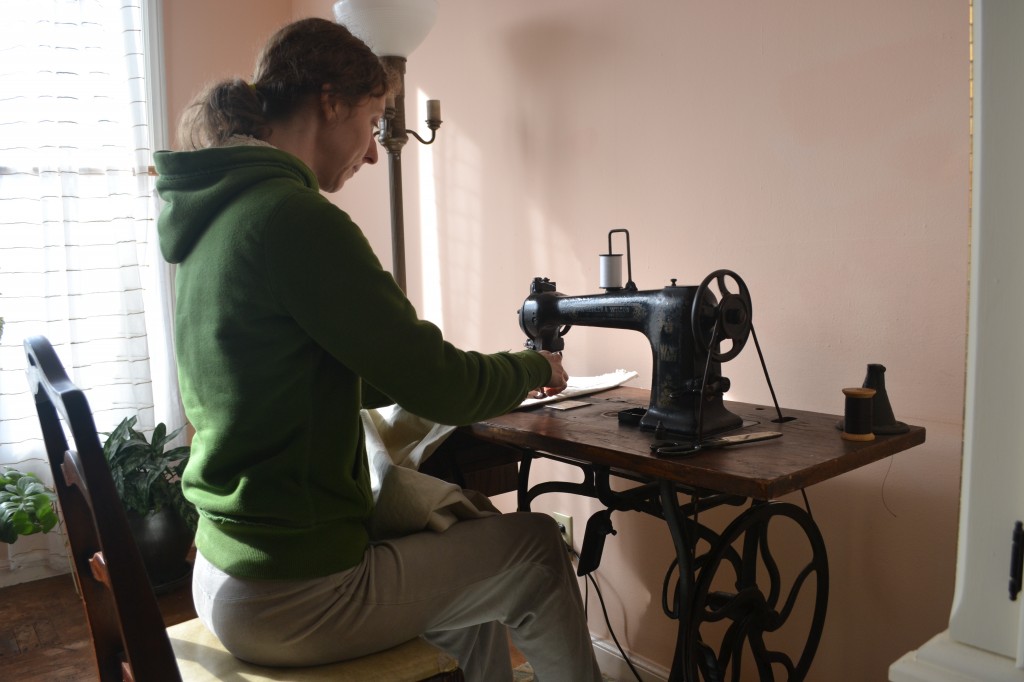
<point x="393" y="29"/>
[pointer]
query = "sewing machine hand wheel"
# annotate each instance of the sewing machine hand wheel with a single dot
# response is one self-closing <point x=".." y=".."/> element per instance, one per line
<point x="729" y="318"/>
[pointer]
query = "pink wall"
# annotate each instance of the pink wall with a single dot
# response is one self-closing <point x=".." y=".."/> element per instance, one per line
<point x="207" y="41"/>
<point x="820" y="150"/>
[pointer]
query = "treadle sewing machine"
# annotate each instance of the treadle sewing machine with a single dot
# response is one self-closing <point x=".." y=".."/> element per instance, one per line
<point x="736" y="577"/>
<point x="685" y="325"/>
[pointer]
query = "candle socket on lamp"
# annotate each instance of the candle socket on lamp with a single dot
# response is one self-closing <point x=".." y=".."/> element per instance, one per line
<point x="393" y="134"/>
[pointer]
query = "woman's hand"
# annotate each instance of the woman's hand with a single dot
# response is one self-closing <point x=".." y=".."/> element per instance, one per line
<point x="559" y="377"/>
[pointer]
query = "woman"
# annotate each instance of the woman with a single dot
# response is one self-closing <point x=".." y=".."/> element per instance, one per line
<point x="286" y="326"/>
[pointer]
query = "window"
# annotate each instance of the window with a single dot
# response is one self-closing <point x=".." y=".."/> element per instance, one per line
<point x="78" y="256"/>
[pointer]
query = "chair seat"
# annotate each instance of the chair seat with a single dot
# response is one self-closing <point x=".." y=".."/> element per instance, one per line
<point x="201" y="657"/>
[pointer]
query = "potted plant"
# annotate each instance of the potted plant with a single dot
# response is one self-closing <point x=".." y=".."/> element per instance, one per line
<point x="148" y="481"/>
<point x="26" y="505"/>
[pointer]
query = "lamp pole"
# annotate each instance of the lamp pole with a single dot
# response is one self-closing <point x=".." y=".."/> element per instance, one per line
<point x="393" y="137"/>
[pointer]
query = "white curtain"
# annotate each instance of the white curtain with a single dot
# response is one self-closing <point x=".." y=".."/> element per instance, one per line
<point x="78" y="262"/>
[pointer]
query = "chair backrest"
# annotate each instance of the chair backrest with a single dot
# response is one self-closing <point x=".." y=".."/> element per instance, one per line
<point x="128" y="631"/>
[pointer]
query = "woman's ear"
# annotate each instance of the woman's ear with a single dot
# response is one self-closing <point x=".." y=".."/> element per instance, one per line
<point x="328" y="105"/>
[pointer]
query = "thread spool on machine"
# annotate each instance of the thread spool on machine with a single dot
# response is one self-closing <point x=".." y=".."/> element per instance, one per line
<point x="611" y="266"/>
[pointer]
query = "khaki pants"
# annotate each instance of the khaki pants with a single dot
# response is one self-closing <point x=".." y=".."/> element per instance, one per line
<point x="460" y="589"/>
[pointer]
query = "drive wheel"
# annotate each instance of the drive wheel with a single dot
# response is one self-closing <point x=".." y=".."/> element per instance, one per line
<point x="726" y="316"/>
<point x="743" y="597"/>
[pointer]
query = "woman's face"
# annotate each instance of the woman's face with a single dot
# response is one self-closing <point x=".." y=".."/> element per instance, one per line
<point x="347" y="141"/>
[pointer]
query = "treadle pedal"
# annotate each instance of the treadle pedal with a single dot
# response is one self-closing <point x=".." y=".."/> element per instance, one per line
<point x="599" y="526"/>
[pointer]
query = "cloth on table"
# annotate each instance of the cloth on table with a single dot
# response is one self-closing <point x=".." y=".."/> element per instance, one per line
<point x="580" y="386"/>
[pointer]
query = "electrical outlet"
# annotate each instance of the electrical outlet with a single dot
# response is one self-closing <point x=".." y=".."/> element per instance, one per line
<point x="565" y="525"/>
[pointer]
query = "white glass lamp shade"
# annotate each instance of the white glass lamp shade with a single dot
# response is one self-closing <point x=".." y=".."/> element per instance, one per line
<point x="392" y="28"/>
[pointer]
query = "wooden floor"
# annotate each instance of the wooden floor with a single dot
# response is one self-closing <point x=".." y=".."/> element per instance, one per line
<point x="44" y="637"/>
<point x="43" y="634"/>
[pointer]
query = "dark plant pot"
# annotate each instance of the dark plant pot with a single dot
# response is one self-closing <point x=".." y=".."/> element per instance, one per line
<point x="164" y="541"/>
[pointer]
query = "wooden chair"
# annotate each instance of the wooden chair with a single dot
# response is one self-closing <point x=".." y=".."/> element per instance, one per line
<point x="128" y="632"/>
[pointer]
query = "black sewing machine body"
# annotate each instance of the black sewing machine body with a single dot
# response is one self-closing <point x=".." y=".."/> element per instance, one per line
<point x="686" y="383"/>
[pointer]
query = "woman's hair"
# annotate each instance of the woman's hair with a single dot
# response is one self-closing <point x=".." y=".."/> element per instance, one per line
<point x="296" y="63"/>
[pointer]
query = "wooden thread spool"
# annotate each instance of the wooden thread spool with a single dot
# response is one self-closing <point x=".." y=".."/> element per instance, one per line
<point x="858" y="414"/>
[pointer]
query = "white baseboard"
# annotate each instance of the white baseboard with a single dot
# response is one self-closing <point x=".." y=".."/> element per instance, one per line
<point x="943" y="659"/>
<point x="29" y="573"/>
<point x="613" y="665"/>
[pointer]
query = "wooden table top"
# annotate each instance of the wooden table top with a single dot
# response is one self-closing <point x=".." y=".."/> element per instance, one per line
<point x="809" y="451"/>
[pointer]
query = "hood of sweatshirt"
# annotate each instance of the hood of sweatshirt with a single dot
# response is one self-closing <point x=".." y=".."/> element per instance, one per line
<point x="198" y="185"/>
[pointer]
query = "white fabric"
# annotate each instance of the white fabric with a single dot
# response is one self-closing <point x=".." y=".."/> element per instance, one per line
<point x="407" y="501"/>
<point x="398" y="442"/>
<point x="580" y="386"/>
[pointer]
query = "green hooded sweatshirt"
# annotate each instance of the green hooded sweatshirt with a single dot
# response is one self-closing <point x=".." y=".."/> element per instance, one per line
<point x="286" y="325"/>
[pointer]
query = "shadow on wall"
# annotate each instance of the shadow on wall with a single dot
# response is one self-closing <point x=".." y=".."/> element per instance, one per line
<point x="508" y="174"/>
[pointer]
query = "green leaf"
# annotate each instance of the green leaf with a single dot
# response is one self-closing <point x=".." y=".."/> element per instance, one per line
<point x="48" y="519"/>
<point x="158" y="436"/>
<point x="146" y="477"/>
<point x="26" y="506"/>
<point x="22" y="522"/>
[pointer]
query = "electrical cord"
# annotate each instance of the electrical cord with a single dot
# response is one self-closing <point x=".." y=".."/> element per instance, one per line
<point x="604" y="610"/>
